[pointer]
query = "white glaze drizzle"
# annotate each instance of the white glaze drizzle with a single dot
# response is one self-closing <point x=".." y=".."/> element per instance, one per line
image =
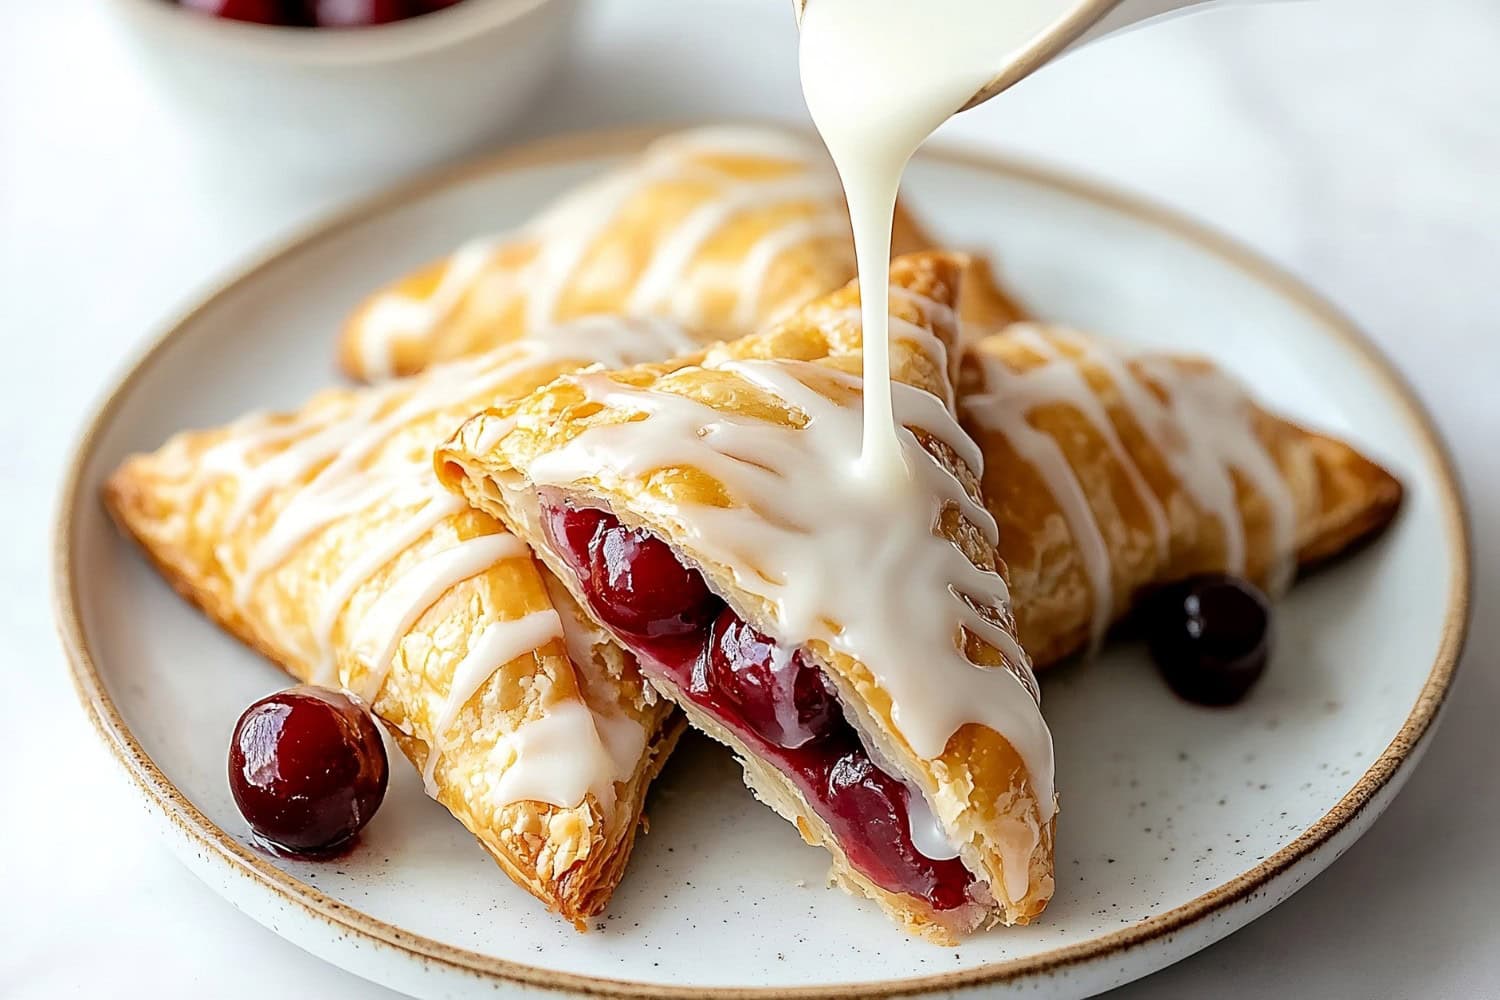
<point x="380" y="550"/>
<point x="927" y="834"/>
<point x="1005" y="406"/>
<point x="878" y="77"/>
<point x="391" y="317"/>
<point x="1205" y="432"/>
<point x="566" y="753"/>
<point x="343" y="486"/>
<point x="346" y="449"/>
<point x="672" y="255"/>
<point x="756" y="267"/>
<point x="566" y="230"/>
<point x="382" y="628"/>
<point x="497" y="645"/>
<point x="1202" y="432"/>
<point x="819" y="546"/>
<point x="256" y="481"/>
<point x="343" y="446"/>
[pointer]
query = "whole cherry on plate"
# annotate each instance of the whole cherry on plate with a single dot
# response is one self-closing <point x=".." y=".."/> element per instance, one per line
<point x="1210" y="636"/>
<point x="307" y="768"/>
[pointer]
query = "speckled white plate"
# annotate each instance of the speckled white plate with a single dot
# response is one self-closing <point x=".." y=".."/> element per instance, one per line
<point x="1179" y="824"/>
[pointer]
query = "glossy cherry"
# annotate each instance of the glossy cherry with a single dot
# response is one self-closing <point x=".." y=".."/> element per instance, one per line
<point x="1209" y="636"/>
<point x="318" y="13"/>
<point x="780" y="705"/>
<point x="256" y="11"/>
<point x="784" y="698"/>
<point x="867" y="799"/>
<point x="307" y="769"/>
<point x="635" y="582"/>
<point x="361" y="13"/>
<point x="572" y="531"/>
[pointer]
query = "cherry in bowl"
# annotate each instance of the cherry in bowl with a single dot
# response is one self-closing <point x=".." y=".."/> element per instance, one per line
<point x="307" y="769"/>
<point x="317" y="13"/>
<point x="1210" y="636"/>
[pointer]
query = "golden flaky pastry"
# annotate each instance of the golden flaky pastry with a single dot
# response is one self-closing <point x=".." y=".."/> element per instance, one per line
<point x="322" y="538"/>
<point x="718" y="228"/>
<point x="1110" y="470"/>
<point x="852" y="641"/>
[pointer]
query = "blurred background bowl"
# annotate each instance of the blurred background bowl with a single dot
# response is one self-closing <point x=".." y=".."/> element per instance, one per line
<point x="320" y="102"/>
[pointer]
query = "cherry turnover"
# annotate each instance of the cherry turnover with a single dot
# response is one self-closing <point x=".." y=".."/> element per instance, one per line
<point x="771" y="697"/>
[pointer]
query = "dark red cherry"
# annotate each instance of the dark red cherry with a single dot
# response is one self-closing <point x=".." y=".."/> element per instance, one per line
<point x="257" y="11"/>
<point x="778" y="694"/>
<point x="1210" y="636"/>
<point x="307" y="768"/>
<point x="572" y="531"/>
<point x="361" y="13"/>
<point x="646" y="589"/>
<point x="865" y="798"/>
<point x="634" y="581"/>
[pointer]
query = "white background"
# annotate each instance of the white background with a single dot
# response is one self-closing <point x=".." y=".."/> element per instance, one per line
<point x="1357" y="142"/>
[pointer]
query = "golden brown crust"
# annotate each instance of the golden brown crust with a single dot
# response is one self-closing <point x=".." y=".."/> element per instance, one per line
<point x="986" y="305"/>
<point x="183" y="505"/>
<point x="1358" y="499"/>
<point x="979" y="783"/>
<point x="1337" y="496"/>
<point x="611" y="249"/>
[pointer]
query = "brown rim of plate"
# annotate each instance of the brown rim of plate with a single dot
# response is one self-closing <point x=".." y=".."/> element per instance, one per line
<point x="176" y="808"/>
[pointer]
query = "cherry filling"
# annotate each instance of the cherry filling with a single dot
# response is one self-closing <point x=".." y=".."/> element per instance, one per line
<point x="778" y="703"/>
<point x="782" y="698"/>
<point x="635" y="582"/>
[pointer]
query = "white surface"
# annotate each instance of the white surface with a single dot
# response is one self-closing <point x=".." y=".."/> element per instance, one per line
<point x="1162" y="801"/>
<point x="1356" y="142"/>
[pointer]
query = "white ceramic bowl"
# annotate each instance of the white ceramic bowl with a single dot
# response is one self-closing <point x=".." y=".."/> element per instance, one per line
<point x="378" y="100"/>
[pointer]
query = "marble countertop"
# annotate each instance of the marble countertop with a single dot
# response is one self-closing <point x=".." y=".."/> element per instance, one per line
<point x="1356" y="142"/>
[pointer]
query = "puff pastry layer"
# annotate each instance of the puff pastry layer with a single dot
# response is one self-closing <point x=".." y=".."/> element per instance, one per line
<point x="1110" y="470"/>
<point x="322" y="539"/>
<point x="709" y="453"/>
<point x="721" y="229"/>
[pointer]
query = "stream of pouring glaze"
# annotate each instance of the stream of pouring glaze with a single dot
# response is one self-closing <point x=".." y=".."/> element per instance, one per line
<point x="879" y="76"/>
